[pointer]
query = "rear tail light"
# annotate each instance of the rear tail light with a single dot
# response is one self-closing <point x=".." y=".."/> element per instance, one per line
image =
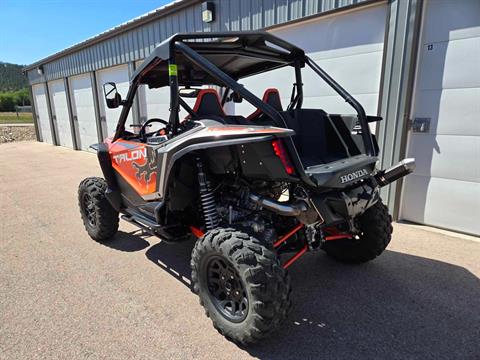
<point x="281" y="152"/>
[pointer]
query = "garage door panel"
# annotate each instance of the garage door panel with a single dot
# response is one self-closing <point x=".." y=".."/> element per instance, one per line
<point x="445" y="20"/>
<point x="349" y="51"/>
<point x="41" y="108"/>
<point x="281" y="79"/>
<point x="443" y="203"/>
<point x="451" y="64"/>
<point x="446" y="156"/>
<point x="84" y="111"/>
<point x="452" y="111"/>
<point x="336" y="105"/>
<point x="359" y="74"/>
<point x="355" y="31"/>
<point x="60" y="110"/>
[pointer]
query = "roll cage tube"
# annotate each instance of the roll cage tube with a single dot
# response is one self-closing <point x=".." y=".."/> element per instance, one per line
<point x="362" y="117"/>
<point x="125" y="109"/>
<point x="296" y="99"/>
<point x="174" y="96"/>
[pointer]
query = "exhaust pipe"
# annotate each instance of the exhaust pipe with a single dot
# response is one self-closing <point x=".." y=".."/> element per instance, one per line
<point x="280" y="208"/>
<point x="403" y="168"/>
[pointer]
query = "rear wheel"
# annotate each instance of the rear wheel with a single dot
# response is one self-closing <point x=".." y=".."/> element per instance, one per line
<point x="99" y="217"/>
<point x="241" y="284"/>
<point x="375" y="234"/>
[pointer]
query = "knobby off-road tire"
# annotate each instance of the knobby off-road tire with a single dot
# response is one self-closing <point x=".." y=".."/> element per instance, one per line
<point x="258" y="275"/>
<point x="376" y="232"/>
<point x="99" y="217"/>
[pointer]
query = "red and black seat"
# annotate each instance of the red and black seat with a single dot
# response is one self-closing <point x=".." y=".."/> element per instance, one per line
<point x="271" y="97"/>
<point x="208" y="105"/>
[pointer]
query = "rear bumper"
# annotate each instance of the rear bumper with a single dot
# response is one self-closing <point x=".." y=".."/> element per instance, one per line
<point x="342" y="173"/>
<point x="336" y="206"/>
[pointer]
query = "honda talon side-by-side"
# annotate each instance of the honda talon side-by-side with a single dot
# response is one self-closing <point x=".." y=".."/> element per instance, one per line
<point x="257" y="192"/>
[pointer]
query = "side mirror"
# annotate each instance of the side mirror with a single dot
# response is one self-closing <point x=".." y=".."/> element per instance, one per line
<point x="112" y="97"/>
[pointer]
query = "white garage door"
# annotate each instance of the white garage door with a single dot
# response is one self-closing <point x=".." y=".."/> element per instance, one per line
<point x="41" y="108"/>
<point x="60" y="113"/>
<point x="444" y="191"/>
<point x="109" y="117"/>
<point x="81" y="95"/>
<point x="348" y="46"/>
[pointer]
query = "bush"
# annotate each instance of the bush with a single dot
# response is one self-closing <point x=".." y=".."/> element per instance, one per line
<point x="8" y="100"/>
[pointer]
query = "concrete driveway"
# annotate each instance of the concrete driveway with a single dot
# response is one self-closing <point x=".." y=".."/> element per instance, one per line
<point x="64" y="296"/>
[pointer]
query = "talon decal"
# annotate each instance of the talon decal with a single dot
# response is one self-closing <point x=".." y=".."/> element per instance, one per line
<point x="130" y="156"/>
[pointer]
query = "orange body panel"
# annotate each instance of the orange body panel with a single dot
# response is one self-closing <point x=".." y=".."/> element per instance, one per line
<point x="135" y="163"/>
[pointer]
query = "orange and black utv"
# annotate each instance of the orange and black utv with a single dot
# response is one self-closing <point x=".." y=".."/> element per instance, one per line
<point x="249" y="188"/>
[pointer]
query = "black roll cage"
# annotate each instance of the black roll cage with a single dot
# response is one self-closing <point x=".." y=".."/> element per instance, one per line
<point x="298" y="60"/>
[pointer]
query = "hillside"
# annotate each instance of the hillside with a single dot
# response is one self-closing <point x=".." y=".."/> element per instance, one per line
<point x="11" y="77"/>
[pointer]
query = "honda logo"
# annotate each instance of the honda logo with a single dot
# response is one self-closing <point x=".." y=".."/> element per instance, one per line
<point x="353" y="176"/>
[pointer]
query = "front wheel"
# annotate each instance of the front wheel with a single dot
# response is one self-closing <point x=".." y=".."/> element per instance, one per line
<point x="99" y="217"/>
<point x="241" y="284"/>
<point x="376" y="229"/>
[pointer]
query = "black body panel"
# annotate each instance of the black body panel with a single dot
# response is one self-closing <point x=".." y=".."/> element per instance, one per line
<point x="342" y="173"/>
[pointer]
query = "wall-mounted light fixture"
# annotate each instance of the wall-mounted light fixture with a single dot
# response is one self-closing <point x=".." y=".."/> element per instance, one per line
<point x="40" y="70"/>
<point x="208" y="11"/>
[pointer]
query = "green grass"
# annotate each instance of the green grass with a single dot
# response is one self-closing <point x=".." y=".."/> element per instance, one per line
<point x="11" y="118"/>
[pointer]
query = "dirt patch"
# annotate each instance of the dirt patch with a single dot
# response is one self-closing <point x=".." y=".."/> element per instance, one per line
<point x="16" y="133"/>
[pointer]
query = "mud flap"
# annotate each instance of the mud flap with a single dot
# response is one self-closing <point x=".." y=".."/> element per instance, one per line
<point x="112" y="193"/>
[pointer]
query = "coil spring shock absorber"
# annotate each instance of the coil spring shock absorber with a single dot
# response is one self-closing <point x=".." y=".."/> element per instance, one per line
<point x="207" y="200"/>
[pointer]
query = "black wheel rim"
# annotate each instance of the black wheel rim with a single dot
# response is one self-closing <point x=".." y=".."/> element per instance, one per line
<point x="226" y="289"/>
<point x="89" y="210"/>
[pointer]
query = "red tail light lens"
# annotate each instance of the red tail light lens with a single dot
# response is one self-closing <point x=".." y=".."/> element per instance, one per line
<point x="281" y="152"/>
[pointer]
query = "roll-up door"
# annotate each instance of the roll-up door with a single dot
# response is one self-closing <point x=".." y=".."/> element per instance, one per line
<point x="348" y="46"/>
<point x="444" y="138"/>
<point x="83" y="108"/>
<point x="60" y="113"/>
<point x="41" y="108"/>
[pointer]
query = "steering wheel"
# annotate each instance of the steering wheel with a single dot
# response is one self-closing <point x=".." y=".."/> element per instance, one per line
<point x="143" y="130"/>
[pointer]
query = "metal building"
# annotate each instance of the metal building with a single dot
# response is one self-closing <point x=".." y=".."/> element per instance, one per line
<point x="414" y="62"/>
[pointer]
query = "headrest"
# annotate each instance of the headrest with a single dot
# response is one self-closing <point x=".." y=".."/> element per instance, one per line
<point x="208" y="103"/>
<point x="271" y="96"/>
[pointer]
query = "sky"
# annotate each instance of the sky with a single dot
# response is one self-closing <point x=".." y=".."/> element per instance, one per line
<point x="33" y="29"/>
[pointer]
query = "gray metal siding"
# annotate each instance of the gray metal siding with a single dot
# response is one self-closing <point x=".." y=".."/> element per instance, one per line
<point x="136" y="44"/>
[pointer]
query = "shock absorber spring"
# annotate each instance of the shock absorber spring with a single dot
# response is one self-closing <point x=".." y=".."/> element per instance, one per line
<point x="207" y="200"/>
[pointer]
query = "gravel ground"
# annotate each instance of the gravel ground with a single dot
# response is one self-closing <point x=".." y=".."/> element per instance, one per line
<point x="16" y="133"/>
<point x="64" y="296"/>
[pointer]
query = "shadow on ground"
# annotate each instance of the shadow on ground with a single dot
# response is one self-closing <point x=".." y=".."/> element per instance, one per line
<point x="128" y="241"/>
<point x="397" y="307"/>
